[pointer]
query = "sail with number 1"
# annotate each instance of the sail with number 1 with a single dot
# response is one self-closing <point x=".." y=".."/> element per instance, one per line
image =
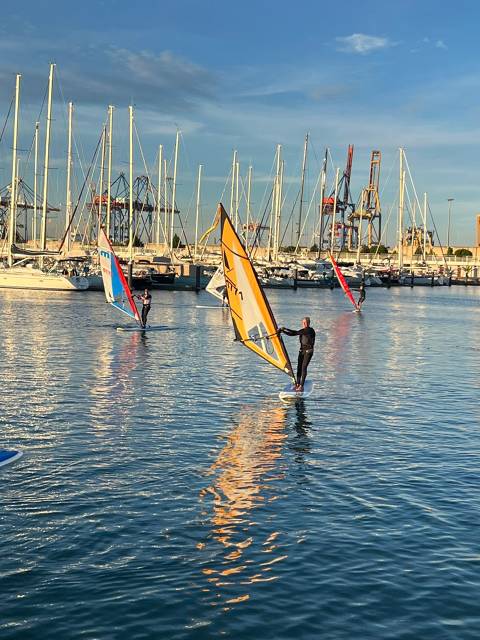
<point x="342" y="281"/>
<point x="253" y="320"/>
<point x="117" y="291"/>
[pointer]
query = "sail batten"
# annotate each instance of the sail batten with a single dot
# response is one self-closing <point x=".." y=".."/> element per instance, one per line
<point x="252" y="318"/>
<point x="117" y="291"/>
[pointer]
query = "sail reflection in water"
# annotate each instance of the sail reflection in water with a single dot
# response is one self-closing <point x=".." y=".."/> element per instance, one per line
<point x="247" y="474"/>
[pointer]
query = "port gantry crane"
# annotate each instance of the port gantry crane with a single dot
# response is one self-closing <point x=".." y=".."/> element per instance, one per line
<point x="343" y="205"/>
<point x="368" y="209"/>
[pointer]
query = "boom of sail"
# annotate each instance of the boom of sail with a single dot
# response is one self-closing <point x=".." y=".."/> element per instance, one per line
<point x="117" y="291"/>
<point x="252" y="318"/>
<point x="342" y="281"/>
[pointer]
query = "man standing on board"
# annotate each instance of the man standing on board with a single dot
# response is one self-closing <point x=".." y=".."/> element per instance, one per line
<point x="307" y="343"/>
<point x="361" y="299"/>
<point x="146" y="299"/>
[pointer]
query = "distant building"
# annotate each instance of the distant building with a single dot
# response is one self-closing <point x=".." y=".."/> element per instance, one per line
<point x="477" y="229"/>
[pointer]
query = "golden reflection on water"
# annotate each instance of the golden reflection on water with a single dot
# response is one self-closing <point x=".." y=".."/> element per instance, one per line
<point x="244" y="473"/>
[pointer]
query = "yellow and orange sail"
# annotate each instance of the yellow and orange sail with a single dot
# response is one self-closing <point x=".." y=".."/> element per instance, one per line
<point x="252" y="318"/>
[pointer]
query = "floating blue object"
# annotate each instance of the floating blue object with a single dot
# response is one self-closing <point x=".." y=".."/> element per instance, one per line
<point x="6" y="457"/>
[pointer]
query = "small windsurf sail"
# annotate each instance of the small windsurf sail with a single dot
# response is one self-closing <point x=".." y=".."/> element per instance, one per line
<point x="342" y="281"/>
<point x="117" y="291"/>
<point x="216" y="286"/>
<point x="252" y="318"/>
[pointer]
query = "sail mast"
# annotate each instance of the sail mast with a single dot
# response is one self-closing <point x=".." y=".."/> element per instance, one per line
<point x="35" y="179"/>
<point x="332" y="237"/>
<point x="159" y="191"/>
<point x="165" y="206"/>
<point x="400" y="213"/>
<point x="130" y="179"/>
<point x="302" y="187"/>
<point x="102" y="170"/>
<point x="68" y="207"/>
<point x="197" y="209"/>
<point x="12" y="227"/>
<point x="232" y="191"/>
<point x="249" y="193"/>
<point x="359" y="236"/>
<point x="109" y="171"/>
<point x="174" y="188"/>
<point x="323" y="182"/>
<point x="424" y="227"/>
<point x="43" y="244"/>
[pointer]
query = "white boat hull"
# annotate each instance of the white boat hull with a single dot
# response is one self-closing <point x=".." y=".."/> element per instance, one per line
<point x="27" y="278"/>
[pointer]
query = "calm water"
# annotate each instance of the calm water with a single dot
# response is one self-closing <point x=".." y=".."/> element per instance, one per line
<point x="166" y="492"/>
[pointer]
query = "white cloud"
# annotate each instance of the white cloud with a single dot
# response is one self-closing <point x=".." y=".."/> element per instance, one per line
<point x="361" y="43"/>
<point x="440" y="44"/>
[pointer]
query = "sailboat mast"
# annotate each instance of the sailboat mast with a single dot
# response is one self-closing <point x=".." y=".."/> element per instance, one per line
<point x="109" y="171"/>
<point x="237" y="182"/>
<point x="302" y="187"/>
<point x="130" y="179"/>
<point x="43" y="244"/>
<point x="332" y="237"/>
<point x="249" y="193"/>
<point x="68" y="207"/>
<point x="174" y="188"/>
<point x="424" y="227"/>
<point x="359" y="237"/>
<point x="323" y="183"/>
<point x="12" y="227"/>
<point x="102" y="170"/>
<point x="279" y="209"/>
<point x="197" y="209"/>
<point x="400" y="212"/>
<point x="232" y="191"/>
<point x="159" y="191"/>
<point x="35" y="177"/>
<point x="165" y="207"/>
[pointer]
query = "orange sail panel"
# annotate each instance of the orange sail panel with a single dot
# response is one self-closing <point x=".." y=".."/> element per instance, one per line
<point x="253" y="320"/>
<point x="342" y="281"/>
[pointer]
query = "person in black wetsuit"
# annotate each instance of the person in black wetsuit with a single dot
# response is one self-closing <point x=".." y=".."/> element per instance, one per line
<point x="307" y="343"/>
<point x="146" y="299"/>
<point x="361" y="299"/>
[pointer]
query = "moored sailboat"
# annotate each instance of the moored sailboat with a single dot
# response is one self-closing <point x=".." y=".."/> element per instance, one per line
<point x="25" y="273"/>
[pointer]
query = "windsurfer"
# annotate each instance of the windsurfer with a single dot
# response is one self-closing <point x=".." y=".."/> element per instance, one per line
<point x="361" y="299"/>
<point x="307" y="343"/>
<point x="146" y="299"/>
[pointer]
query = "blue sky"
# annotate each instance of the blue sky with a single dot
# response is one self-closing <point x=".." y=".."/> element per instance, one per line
<point x="378" y="75"/>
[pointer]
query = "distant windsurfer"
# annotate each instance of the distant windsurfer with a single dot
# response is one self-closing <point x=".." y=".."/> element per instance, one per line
<point x="224" y="297"/>
<point x="146" y="299"/>
<point x="361" y="298"/>
<point x="307" y="344"/>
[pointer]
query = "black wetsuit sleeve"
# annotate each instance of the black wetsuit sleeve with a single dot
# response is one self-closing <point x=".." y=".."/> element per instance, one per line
<point x="291" y="332"/>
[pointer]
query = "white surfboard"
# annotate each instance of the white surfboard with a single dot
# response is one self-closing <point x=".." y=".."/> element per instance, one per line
<point x="289" y="392"/>
<point x="7" y="457"/>
<point x="149" y="327"/>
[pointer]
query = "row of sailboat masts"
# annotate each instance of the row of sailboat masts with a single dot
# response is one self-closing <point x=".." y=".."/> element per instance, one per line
<point x="274" y="238"/>
<point x="168" y="225"/>
<point x="12" y="227"/>
<point x="236" y="194"/>
<point x="401" y="215"/>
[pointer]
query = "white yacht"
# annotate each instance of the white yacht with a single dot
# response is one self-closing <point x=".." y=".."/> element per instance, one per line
<point x="28" y="276"/>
